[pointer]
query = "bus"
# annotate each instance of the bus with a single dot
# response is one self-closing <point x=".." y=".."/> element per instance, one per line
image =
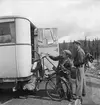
<point x="18" y="38"/>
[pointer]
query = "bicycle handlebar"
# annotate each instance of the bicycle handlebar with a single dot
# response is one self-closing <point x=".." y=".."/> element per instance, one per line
<point x="54" y="67"/>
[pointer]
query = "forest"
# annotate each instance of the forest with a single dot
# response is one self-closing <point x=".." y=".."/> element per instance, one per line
<point x="91" y="46"/>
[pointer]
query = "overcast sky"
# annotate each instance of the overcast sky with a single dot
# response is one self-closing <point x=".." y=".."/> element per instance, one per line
<point x="74" y="19"/>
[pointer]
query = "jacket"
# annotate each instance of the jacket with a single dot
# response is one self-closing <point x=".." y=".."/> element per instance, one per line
<point x="79" y="57"/>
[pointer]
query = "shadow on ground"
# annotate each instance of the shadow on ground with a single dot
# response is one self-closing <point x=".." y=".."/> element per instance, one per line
<point x="41" y="94"/>
<point x="6" y="95"/>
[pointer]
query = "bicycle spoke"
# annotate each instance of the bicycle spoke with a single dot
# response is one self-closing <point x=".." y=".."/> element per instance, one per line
<point x="58" y="89"/>
<point x="51" y="85"/>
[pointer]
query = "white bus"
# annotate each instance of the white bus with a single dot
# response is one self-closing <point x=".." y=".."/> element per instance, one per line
<point x="17" y="41"/>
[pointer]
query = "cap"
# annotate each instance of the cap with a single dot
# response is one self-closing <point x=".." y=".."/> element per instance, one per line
<point x="77" y="42"/>
<point x="67" y="52"/>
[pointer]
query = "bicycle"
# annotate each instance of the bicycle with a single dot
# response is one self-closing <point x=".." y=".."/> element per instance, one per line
<point x="57" y="91"/>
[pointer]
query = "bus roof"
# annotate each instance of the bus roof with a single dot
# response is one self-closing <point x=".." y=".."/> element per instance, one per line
<point x="14" y="17"/>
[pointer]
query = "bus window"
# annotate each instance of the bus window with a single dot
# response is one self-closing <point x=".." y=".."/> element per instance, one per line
<point x="47" y="36"/>
<point x="7" y="32"/>
<point x="54" y="34"/>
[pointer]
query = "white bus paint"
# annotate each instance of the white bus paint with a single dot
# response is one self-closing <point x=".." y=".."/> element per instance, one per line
<point x="23" y="52"/>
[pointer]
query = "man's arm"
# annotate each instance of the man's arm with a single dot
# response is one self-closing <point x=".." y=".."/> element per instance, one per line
<point x="68" y="63"/>
<point x="55" y="58"/>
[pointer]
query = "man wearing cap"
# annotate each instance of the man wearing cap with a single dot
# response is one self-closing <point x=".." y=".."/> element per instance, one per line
<point x="79" y="56"/>
<point x="64" y="60"/>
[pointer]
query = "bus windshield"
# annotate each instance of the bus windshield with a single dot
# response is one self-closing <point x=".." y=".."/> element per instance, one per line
<point x="47" y="36"/>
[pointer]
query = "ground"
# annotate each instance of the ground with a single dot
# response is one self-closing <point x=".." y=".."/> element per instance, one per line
<point x="92" y="97"/>
<point x="41" y="98"/>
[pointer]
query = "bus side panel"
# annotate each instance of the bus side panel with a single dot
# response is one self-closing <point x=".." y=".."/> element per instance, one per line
<point x="22" y="31"/>
<point x="23" y="55"/>
<point x="23" y="47"/>
<point x="7" y="62"/>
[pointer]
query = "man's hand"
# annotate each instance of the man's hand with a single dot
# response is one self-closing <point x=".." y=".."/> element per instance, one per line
<point x="47" y="54"/>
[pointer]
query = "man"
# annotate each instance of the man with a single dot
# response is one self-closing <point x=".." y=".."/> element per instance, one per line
<point x="64" y="61"/>
<point x="65" y="56"/>
<point x="79" y="56"/>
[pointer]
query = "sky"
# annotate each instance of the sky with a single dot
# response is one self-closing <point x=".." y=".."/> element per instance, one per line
<point x="74" y="19"/>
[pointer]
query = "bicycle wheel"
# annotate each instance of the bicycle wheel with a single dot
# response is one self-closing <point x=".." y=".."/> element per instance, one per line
<point x="56" y="91"/>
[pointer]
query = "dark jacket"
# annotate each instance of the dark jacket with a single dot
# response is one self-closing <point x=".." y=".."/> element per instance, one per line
<point x="79" y="57"/>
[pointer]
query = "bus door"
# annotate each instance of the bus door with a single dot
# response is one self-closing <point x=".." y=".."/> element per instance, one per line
<point x="34" y="42"/>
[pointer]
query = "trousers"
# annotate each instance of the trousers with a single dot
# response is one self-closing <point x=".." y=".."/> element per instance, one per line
<point x="80" y="81"/>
